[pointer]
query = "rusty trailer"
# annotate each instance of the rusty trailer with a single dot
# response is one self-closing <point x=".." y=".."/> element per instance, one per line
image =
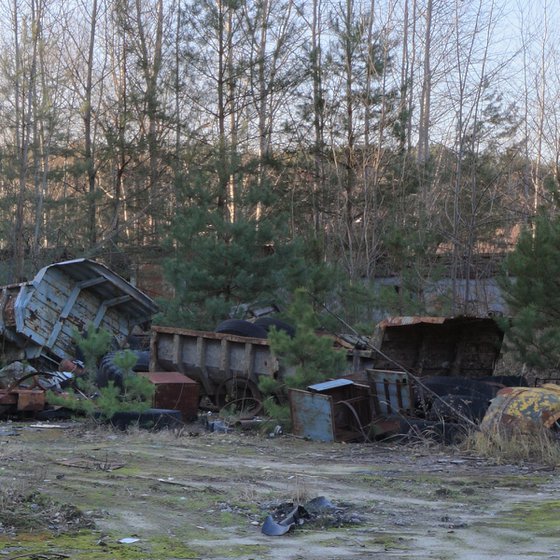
<point x="227" y="366"/>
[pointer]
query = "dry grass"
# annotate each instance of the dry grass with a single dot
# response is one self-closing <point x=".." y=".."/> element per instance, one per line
<point x="507" y="445"/>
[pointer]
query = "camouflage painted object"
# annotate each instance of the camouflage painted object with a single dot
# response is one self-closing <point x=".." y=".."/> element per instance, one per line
<point x="524" y="408"/>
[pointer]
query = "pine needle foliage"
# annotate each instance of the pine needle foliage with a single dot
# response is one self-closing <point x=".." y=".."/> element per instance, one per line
<point x="222" y="261"/>
<point x="310" y="357"/>
<point x="104" y="402"/>
<point x="531" y="290"/>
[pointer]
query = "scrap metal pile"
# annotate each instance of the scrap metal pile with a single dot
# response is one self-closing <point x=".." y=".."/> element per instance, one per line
<point x="415" y="374"/>
<point x="39" y="319"/>
<point x="430" y="376"/>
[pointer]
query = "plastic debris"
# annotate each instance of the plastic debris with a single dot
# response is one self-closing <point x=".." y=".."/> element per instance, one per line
<point x="128" y="540"/>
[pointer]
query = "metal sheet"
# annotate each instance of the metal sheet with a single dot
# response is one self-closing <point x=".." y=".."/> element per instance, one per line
<point x="410" y="320"/>
<point x="312" y="415"/>
<point x="328" y="385"/>
<point x="391" y="391"/>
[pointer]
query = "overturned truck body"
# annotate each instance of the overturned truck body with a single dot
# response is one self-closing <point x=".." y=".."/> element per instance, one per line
<point x="39" y="318"/>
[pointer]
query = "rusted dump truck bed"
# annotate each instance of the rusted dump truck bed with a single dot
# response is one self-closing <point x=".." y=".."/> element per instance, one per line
<point x="426" y="346"/>
<point x="212" y="359"/>
<point x="39" y="318"/>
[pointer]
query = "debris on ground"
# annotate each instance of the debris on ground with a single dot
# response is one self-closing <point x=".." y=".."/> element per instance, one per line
<point x="128" y="540"/>
<point x="35" y="512"/>
<point x="319" y="512"/>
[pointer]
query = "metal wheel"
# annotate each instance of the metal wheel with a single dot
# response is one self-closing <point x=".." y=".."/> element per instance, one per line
<point x="239" y="396"/>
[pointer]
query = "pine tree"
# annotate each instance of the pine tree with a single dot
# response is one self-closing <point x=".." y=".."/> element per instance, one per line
<point x="311" y="357"/>
<point x="532" y="294"/>
<point x="221" y="263"/>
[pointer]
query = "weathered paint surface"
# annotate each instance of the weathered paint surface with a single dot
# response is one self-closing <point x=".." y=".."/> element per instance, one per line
<point x="427" y="346"/>
<point x="333" y="411"/>
<point x="524" y="407"/>
<point x="212" y="358"/>
<point x="40" y="316"/>
<point x="391" y="392"/>
<point x="312" y="415"/>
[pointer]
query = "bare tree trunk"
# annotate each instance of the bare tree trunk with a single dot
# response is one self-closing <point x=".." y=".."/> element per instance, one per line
<point x="233" y="116"/>
<point x="42" y="155"/>
<point x="24" y="132"/>
<point x="318" y="117"/>
<point x="424" y="125"/>
<point x="151" y="64"/>
<point x="349" y="160"/>
<point x="88" y="135"/>
<point x="541" y="96"/>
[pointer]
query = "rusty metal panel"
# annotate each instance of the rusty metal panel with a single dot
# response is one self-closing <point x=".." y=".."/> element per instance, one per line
<point x="7" y="397"/>
<point x="343" y="414"/>
<point x="175" y="391"/>
<point x="30" y="400"/>
<point x="410" y="320"/>
<point x="392" y="393"/>
<point x="312" y="415"/>
<point x="427" y="346"/>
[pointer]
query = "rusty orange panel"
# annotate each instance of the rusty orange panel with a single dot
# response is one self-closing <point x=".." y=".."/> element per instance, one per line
<point x="7" y="398"/>
<point x="175" y="391"/>
<point x="30" y="400"/>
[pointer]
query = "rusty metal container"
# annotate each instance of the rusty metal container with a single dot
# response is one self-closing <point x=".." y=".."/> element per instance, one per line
<point x="175" y="391"/>
<point x="524" y="408"/>
<point x="338" y="410"/>
<point x="22" y="400"/>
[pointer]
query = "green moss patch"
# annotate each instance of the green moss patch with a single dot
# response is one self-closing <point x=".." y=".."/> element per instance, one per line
<point x="87" y="545"/>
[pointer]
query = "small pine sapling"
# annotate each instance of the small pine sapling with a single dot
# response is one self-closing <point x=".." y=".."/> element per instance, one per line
<point x="137" y="391"/>
<point x="310" y="358"/>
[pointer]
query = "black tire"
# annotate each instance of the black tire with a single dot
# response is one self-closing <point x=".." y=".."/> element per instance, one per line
<point x="109" y="371"/>
<point x="507" y="380"/>
<point x="239" y="327"/>
<point x="268" y="323"/>
<point x="456" y="408"/>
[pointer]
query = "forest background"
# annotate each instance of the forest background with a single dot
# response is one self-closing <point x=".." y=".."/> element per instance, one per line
<point x="252" y="146"/>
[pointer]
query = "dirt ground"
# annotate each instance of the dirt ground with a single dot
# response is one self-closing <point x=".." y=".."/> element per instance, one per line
<point x="205" y="495"/>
